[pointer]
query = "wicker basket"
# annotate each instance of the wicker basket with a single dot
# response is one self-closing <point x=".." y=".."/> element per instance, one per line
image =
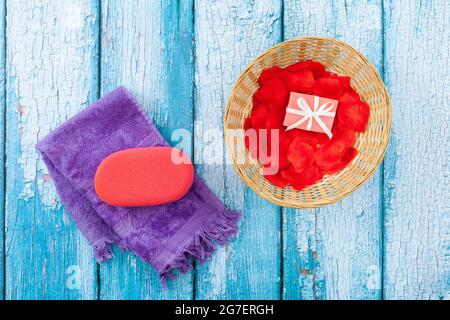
<point x="338" y="57"/>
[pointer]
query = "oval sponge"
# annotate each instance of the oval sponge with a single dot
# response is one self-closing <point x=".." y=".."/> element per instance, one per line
<point x="144" y="177"/>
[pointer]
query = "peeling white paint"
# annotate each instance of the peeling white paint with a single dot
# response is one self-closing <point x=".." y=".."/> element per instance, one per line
<point x="72" y="17"/>
<point x="134" y="58"/>
<point x="217" y="271"/>
<point x="50" y="71"/>
<point x="48" y="193"/>
<point x="228" y="35"/>
<point x="50" y="80"/>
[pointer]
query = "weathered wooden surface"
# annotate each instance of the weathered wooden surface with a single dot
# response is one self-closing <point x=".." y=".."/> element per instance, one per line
<point x="147" y="46"/>
<point x="390" y="239"/>
<point x="416" y="187"/>
<point x="334" y="252"/>
<point x="2" y="143"/>
<point x="51" y="65"/>
<point x="229" y="34"/>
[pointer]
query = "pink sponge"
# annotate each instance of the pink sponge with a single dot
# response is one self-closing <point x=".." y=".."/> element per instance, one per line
<point x="144" y="177"/>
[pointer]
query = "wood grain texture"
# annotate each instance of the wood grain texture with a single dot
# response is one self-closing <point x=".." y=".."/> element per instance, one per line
<point x="229" y="34"/>
<point x="393" y="232"/>
<point x="147" y="46"/>
<point x="416" y="188"/>
<point x="2" y="141"/>
<point x="51" y="65"/>
<point x="334" y="252"/>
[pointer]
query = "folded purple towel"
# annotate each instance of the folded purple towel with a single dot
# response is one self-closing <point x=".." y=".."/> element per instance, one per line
<point x="166" y="236"/>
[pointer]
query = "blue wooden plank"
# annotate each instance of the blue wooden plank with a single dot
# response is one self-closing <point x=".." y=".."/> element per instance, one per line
<point x="416" y="192"/>
<point x="2" y="142"/>
<point x="229" y="34"/>
<point x="51" y="66"/>
<point x="147" y="46"/>
<point x="334" y="252"/>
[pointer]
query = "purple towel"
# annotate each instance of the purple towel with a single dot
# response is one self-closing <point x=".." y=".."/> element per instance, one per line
<point x="166" y="236"/>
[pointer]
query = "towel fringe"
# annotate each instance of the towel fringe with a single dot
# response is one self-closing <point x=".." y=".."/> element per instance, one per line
<point x="103" y="249"/>
<point x="202" y="246"/>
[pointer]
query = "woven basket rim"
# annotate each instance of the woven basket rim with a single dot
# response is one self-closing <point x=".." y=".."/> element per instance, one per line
<point x="367" y="175"/>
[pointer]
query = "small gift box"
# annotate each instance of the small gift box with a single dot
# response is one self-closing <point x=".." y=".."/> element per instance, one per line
<point x="311" y="113"/>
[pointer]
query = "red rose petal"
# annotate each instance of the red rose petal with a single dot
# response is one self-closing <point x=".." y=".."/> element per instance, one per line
<point x="280" y="93"/>
<point x="284" y="162"/>
<point x="320" y="137"/>
<point x="283" y="149"/>
<point x="265" y="93"/>
<point x="351" y="96"/>
<point x="329" y="155"/>
<point x="344" y="138"/>
<point x="274" y="122"/>
<point x="277" y="158"/>
<point x="307" y="177"/>
<point x="304" y="136"/>
<point x="276" y="180"/>
<point x="353" y="116"/>
<point x="291" y="81"/>
<point x="283" y="146"/>
<point x="275" y="165"/>
<point x="258" y="117"/>
<point x="285" y="139"/>
<point x="348" y="157"/>
<point x="327" y="88"/>
<point x="306" y="80"/>
<point x="255" y="101"/>
<point x="247" y="123"/>
<point x="296" y="67"/>
<point x="273" y="91"/>
<point x="300" y="154"/>
<point x="268" y="74"/>
<point x="293" y="178"/>
<point x="276" y="111"/>
<point x="318" y="69"/>
<point x="300" y="81"/>
<point x="264" y="147"/>
<point x="303" y="157"/>
<point x="345" y="83"/>
<point x="282" y="74"/>
<point x="258" y="120"/>
<point x="311" y="175"/>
